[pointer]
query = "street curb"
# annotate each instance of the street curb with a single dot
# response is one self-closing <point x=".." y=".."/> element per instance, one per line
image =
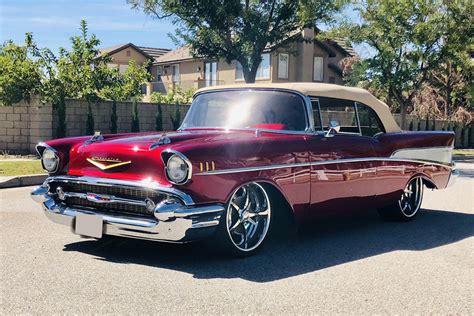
<point x="23" y="181"/>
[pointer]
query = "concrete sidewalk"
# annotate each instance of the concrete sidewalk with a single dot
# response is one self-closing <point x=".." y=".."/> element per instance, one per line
<point x="21" y="181"/>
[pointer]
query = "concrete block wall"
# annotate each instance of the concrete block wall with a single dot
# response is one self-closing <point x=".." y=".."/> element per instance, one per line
<point x="25" y="124"/>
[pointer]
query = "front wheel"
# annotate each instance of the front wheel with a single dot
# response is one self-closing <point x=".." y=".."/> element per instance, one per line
<point x="246" y="222"/>
<point x="408" y="205"/>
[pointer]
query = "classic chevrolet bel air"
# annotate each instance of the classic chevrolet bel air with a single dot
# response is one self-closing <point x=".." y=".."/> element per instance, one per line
<point x="244" y="157"/>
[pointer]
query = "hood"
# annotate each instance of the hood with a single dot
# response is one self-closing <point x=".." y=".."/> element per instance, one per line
<point x="138" y="157"/>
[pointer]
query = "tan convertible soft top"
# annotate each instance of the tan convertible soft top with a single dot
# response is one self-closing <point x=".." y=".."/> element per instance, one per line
<point x="330" y="91"/>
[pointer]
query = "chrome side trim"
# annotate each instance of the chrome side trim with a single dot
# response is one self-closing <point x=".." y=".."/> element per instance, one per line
<point x="441" y="154"/>
<point x="144" y="184"/>
<point x="317" y="163"/>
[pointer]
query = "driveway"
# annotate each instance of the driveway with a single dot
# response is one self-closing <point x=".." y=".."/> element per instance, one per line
<point x="357" y="264"/>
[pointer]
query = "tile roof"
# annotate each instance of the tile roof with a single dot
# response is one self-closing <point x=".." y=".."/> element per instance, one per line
<point x="150" y="52"/>
<point x="179" y="54"/>
<point x="154" y="52"/>
<point x="342" y="44"/>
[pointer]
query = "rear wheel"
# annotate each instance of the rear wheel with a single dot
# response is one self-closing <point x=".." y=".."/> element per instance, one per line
<point x="409" y="203"/>
<point x="246" y="222"/>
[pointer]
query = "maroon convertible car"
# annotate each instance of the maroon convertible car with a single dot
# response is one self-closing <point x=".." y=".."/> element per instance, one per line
<point x="244" y="157"/>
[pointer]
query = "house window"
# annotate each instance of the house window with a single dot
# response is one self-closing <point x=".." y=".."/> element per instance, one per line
<point x="175" y="73"/>
<point x="263" y="71"/>
<point x="159" y="71"/>
<point x="128" y="53"/>
<point x="318" y="67"/>
<point x="210" y="73"/>
<point x="283" y="60"/>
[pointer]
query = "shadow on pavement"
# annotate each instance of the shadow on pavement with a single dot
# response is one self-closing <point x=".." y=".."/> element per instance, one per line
<point x="327" y="244"/>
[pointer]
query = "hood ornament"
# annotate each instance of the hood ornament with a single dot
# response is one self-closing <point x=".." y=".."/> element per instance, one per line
<point x="107" y="163"/>
<point x="163" y="140"/>
<point x="95" y="138"/>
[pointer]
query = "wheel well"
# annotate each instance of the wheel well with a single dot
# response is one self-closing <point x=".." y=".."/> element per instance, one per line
<point x="284" y="216"/>
<point x="428" y="183"/>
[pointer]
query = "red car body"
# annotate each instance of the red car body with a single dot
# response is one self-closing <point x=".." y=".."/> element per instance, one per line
<point x="313" y="173"/>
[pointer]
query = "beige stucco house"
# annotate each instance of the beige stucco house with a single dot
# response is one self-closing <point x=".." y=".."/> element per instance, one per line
<point x="121" y="54"/>
<point x="300" y="61"/>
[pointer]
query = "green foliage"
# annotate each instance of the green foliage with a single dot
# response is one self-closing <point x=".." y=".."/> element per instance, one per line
<point x="80" y="72"/>
<point x="113" y="118"/>
<point x="409" y="41"/>
<point x="90" y="121"/>
<point x="20" y="75"/>
<point x="159" y="118"/>
<point x="135" y="121"/>
<point x="238" y="30"/>
<point x="176" y="118"/>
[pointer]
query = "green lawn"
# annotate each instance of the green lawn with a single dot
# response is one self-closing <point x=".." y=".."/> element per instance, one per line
<point x="21" y="167"/>
<point x="463" y="152"/>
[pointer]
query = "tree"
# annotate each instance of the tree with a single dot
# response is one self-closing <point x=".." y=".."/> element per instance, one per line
<point x="408" y="41"/>
<point x="20" y="75"/>
<point x="125" y="87"/>
<point x="77" y="73"/>
<point x="238" y="30"/>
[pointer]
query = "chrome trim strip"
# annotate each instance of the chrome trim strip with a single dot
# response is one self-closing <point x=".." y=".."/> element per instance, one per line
<point x="317" y="163"/>
<point x="46" y="146"/>
<point x="145" y="184"/>
<point x="182" y="156"/>
<point x="441" y="154"/>
<point x="111" y="199"/>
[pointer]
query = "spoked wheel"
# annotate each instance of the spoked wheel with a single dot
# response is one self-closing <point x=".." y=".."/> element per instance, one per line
<point x="246" y="223"/>
<point x="409" y="203"/>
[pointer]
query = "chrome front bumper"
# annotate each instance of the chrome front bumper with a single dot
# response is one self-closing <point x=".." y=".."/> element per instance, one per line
<point x="173" y="221"/>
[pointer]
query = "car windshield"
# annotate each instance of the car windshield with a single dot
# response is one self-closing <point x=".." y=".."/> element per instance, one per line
<point x="263" y="109"/>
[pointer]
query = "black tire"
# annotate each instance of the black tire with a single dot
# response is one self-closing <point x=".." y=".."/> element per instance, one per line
<point x="409" y="204"/>
<point x="246" y="223"/>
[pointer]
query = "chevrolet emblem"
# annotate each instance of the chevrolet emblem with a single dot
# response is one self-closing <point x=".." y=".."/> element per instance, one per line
<point x="107" y="163"/>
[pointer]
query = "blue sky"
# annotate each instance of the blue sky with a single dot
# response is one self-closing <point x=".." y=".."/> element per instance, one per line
<point x="53" y="22"/>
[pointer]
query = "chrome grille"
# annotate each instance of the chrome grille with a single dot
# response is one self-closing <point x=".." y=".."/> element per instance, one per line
<point x="130" y="193"/>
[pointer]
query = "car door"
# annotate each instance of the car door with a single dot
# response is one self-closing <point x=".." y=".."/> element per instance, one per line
<point x="341" y="173"/>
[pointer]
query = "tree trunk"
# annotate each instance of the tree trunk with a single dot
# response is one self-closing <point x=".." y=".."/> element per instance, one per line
<point x="403" y="115"/>
<point x="250" y="74"/>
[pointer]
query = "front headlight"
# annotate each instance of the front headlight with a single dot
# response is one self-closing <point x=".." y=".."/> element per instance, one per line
<point x="177" y="170"/>
<point x="50" y="160"/>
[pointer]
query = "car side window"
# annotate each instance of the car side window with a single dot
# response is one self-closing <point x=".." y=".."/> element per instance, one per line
<point x="342" y="112"/>
<point x="370" y="124"/>
<point x="316" y="116"/>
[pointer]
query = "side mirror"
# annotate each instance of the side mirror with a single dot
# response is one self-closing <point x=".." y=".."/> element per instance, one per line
<point x="333" y="128"/>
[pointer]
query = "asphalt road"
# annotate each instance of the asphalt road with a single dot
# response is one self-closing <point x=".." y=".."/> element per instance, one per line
<point x="351" y="265"/>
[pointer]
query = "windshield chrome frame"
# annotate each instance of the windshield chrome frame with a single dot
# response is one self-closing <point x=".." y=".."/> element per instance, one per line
<point x="306" y="101"/>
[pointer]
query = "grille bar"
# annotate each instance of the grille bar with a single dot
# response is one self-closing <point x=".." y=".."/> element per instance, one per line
<point x="106" y="198"/>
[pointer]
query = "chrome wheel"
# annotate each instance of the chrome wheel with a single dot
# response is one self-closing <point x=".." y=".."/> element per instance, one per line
<point x="248" y="216"/>
<point x="411" y="198"/>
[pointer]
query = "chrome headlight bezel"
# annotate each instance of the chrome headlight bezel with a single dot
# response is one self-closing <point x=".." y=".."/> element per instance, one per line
<point x="174" y="161"/>
<point x="50" y="160"/>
